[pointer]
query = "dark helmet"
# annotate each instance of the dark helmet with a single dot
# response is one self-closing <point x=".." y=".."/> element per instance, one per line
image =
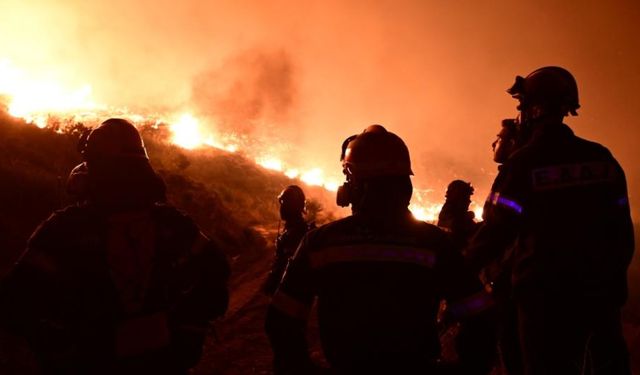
<point x="458" y="189"/>
<point x="376" y="153"/>
<point x="114" y="138"/>
<point x="77" y="182"/>
<point x="550" y="87"/>
<point x="345" y="143"/>
<point x="292" y="202"/>
<point x="509" y="128"/>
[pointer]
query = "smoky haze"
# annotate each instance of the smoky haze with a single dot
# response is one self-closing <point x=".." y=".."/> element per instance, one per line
<point x="311" y="73"/>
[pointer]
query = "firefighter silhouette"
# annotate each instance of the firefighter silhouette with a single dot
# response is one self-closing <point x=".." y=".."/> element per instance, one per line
<point x="560" y="202"/>
<point x="117" y="283"/>
<point x="77" y="183"/>
<point x="455" y="216"/>
<point x="473" y="343"/>
<point x="497" y="274"/>
<point x="378" y="275"/>
<point x="292" y="207"/>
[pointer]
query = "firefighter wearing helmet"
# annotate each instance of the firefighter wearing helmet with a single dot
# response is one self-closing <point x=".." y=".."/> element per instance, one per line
<point x="292" y="208"/>
<point x="119" y="283"/>
<point x="378" y="275"/>
<point x="561" y="203"/>
<point x="507" y="141"/>
<point x="455" y="216"/>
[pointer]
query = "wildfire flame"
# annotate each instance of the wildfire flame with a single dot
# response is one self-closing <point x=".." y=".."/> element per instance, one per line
<point x="31" y="99"/>
<point x="186" y="132"/>
<point x="270" y="163"/>
<point x="34" y="99"/>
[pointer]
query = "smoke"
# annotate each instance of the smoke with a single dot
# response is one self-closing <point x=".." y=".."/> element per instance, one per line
<point x="252" y="90"/>
<point x="311" y="73"/>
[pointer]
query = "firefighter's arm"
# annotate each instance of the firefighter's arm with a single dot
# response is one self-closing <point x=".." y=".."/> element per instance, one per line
<point x="27" y="289"/>
<point x="211" y="293"/>
<point x="502" y="217"/>
<point x="466" y="298"/>
<point x="202" y="295"/>
<point x="277" y="270"/>
<point x="622" y="221"/>
<point x="470" y="306"/>
<point x="492" y="239"/>
<point x="287" y="316"/>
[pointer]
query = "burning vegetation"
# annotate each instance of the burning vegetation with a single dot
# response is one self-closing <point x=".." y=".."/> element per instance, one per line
<point x="61" y="109"/>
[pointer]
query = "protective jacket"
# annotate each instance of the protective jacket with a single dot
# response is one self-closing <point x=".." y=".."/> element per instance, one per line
<point x="286" y="244"/>
<point x="560" y="205"/>
<point x="378" y="283"/>
<point x="458" y="222"/>
<point x="116" y="292"/>
<point x="563" y="201"/>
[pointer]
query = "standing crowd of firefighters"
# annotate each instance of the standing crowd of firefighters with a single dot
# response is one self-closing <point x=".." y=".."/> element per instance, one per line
<point x="123" y="283"/>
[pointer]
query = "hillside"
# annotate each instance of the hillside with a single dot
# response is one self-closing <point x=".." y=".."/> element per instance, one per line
<point x="229" y="196"/>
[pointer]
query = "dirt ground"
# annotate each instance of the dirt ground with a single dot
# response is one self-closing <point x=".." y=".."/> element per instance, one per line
<point x="237" y="344"/>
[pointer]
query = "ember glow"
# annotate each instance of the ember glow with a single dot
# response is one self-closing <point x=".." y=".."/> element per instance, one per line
<point x="32" y="99"/>
<point x="425" y="213"/>
<point x="35" y="100"/>
<point x="311" y="177"/>
<point x="262" y="70"/>
<point x="186" y="132"/>
<point x="270" y="163"/>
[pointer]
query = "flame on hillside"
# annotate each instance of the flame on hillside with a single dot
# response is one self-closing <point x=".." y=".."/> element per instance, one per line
<point x="187" y="132"/>
<point x="34" y="100"/>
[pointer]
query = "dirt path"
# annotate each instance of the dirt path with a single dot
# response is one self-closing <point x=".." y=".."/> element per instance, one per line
<point x="238" y="344"/>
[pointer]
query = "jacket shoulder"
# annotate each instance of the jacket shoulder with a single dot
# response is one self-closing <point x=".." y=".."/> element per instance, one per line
<point x="594" y="148"/>
<point x="434" y="237"/>
<point x="337" y="226"/>
<point x="179" y="231"/>
<point x="61" y="223"/>
<point x="430" y="230"/>
<point x="172" y="218"/>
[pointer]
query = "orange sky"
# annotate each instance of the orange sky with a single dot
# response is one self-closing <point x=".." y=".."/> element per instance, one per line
<point x="314" y="72"/>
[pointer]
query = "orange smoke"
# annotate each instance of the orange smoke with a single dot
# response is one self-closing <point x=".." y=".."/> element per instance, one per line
<point x="34" y="100"/>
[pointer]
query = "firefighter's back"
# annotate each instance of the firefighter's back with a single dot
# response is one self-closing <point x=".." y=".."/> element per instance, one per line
<point x="577" y="207"/>
<point x="379" y="285"/>
<point x="100" y="293"/>
<point x="119" y="283"/>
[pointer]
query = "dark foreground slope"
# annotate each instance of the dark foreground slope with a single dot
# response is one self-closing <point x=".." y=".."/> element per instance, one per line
<point x="231" y="198"/>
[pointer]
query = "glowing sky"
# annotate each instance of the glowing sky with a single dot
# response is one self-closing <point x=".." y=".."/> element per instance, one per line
<point x="311" y="73"/>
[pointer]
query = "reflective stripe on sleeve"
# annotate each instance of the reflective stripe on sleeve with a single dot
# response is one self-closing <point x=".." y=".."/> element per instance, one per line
<point x="471" y="305"/>
<point x="290" y="306"/>
<point x="623" y="202"/>
<point x="372" y="253"/>
<point x="497" y="200"/>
